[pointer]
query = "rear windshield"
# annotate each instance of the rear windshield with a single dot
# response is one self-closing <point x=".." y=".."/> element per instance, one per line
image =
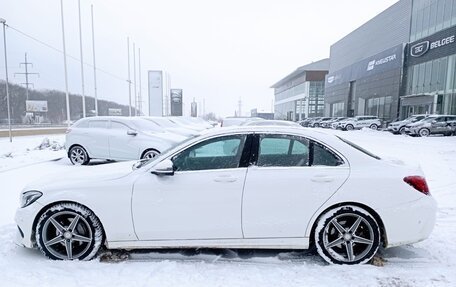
<point x="353" y="145"/>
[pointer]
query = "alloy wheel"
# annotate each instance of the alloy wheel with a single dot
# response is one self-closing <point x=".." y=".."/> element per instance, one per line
<point x="78" y="156"/>
<point x="348" y="237"/>
<point x="150" y="154"/>
<point x="67" y="235"/>
<point x="349" y="127"/>
<point x="424" y="132"/>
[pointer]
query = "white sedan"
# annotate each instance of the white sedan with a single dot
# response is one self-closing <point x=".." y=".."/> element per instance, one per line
<point x="248" y="187"/>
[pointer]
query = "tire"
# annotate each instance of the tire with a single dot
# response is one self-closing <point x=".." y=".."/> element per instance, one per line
<point x="402" y="130"/>
<point x="423" y="132"/>
<point x="349" y="127"/>
<point x="150" y="154"/>
<point x="78" y="155"/>
<point x="56" y="235"/>
<point x="354" y="240"/>
<point x="374" y="126"/>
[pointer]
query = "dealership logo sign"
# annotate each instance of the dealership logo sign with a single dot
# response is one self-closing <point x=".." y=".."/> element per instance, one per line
<point x="422" y="48"/>
<point x="372" y="64"/>
<point x="330" y="79"/>
<point x="419" y="49"/>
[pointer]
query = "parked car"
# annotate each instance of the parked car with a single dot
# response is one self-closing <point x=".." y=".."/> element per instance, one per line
<point x="191" y="123"/>
<point x="116" y="138"/>
<point x="334" y="124"/>
<point x="247" y="187"/>
<point x="172" y="127"/>
<point x="305" y="122"/>
<point x="434" y="124"/>
<point x="326" y="123"/>
<point x="398" y="127"/>
<point x="316" y="123"/>
<point x="360" y="122"/>
<point x="312" y="121"/>
<point x="271" y="123"/>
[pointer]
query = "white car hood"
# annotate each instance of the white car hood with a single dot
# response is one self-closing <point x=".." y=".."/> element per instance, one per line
<point x="82" y="175"/>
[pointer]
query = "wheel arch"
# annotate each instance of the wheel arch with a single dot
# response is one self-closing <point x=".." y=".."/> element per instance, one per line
<point x="46" y="207"/>
<point x="383" y="235"/>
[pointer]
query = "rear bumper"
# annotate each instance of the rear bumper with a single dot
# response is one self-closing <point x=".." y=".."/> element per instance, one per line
<point x="410" y="222"/>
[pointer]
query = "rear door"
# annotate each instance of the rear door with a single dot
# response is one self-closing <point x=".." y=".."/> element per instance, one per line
<point x="291" y="178"/>
<point x="96" y="139"/>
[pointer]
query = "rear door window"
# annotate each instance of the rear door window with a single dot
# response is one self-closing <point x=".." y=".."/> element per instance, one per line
<point x="98" y="124"/>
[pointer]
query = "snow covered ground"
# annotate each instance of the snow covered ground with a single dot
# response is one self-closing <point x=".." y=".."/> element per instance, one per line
<point x="428" y="263"/>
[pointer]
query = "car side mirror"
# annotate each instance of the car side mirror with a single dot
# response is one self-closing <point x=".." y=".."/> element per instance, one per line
<point x="165" y="167"/>
<point x="132" y="132"/>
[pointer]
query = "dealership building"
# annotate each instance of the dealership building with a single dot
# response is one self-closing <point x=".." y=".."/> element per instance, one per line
<point x="301" y="94"/>
<point x="399" y="63"/>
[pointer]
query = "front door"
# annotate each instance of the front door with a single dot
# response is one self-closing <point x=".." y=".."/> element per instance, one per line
<point x="202" y="200"/>
<point x="293" y="176"/>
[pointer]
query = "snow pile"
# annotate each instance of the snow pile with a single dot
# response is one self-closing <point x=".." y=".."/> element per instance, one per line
<point x="30" y="150"/>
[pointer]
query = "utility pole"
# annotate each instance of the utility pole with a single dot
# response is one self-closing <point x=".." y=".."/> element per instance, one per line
<point x="240" y="107"/>
<point x="94" y="64"/>
<point x="26" y="73"/>
<point x="65" y="67"/>
<point x="82" y="62"/>
<point x="3" y="21"/>
<point x="134" y="76"/>
<point x="139" y="94"/>
<point x="129" y="78"/>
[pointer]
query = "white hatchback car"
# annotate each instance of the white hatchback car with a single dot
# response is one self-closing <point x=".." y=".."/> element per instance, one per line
<point x="117" y="138"/>
<point x="250" y="187"/>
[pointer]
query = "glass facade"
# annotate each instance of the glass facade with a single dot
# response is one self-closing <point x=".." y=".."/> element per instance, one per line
<point x="430" y="16"/>
<point x="306" y="99"/>
<point x="435" y="79"/>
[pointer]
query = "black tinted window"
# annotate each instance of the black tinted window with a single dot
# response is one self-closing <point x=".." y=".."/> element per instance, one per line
<point x="276" y="150"/>
<point x="323" y="156"/>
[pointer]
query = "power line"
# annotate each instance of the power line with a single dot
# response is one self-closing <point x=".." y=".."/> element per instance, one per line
<point x="60" y="51"/>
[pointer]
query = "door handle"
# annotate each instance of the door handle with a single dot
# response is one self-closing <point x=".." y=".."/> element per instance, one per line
<point x="225" y="179"/>
<point x="322" y="178"/>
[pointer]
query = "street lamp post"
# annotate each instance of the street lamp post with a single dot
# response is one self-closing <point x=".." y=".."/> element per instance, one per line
<point x="65" y="68"/>
<point x="3" y="21"/>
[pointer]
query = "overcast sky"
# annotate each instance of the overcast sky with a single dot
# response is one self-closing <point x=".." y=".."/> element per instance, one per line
<point x="221" y="51"/>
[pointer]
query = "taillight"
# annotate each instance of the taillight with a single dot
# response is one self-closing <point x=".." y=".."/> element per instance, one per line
<point x="418" y="182"/>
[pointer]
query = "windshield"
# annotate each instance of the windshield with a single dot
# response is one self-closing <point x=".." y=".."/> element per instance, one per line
<point x="164" y="122"/>
<point x="147" y="126"/>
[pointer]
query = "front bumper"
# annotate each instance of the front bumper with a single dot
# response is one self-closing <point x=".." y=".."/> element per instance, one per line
<point x="410" y="222"/>
<point x="24" y="219"/>
<point x="393" y="129"/>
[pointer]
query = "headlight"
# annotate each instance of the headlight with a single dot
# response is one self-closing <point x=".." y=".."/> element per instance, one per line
<point x="30" y="197"/>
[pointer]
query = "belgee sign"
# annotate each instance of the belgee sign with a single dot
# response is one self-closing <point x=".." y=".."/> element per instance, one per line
<point x="435" y="46"/>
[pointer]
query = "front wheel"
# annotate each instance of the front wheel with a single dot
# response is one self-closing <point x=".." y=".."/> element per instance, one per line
<point x="374" y="126"/>
<point x="402" y="130"/>
<point x="69" y="231"/>
<point x="424" y="132"/>
<point x="349" y="127"/>
<point x="347" y="235"/>
<point x="78" y="155"/>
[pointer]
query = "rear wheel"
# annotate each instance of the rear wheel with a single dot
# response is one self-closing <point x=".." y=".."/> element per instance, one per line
<point x="78" y="155"/>
<point x="402" y="130"/>
<point x="347" y="235"/>
<point x="69" y="231"/>
<point x="150" y="154"/>
<point x="424" y="132"/>
<point x="349" y="127"/>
